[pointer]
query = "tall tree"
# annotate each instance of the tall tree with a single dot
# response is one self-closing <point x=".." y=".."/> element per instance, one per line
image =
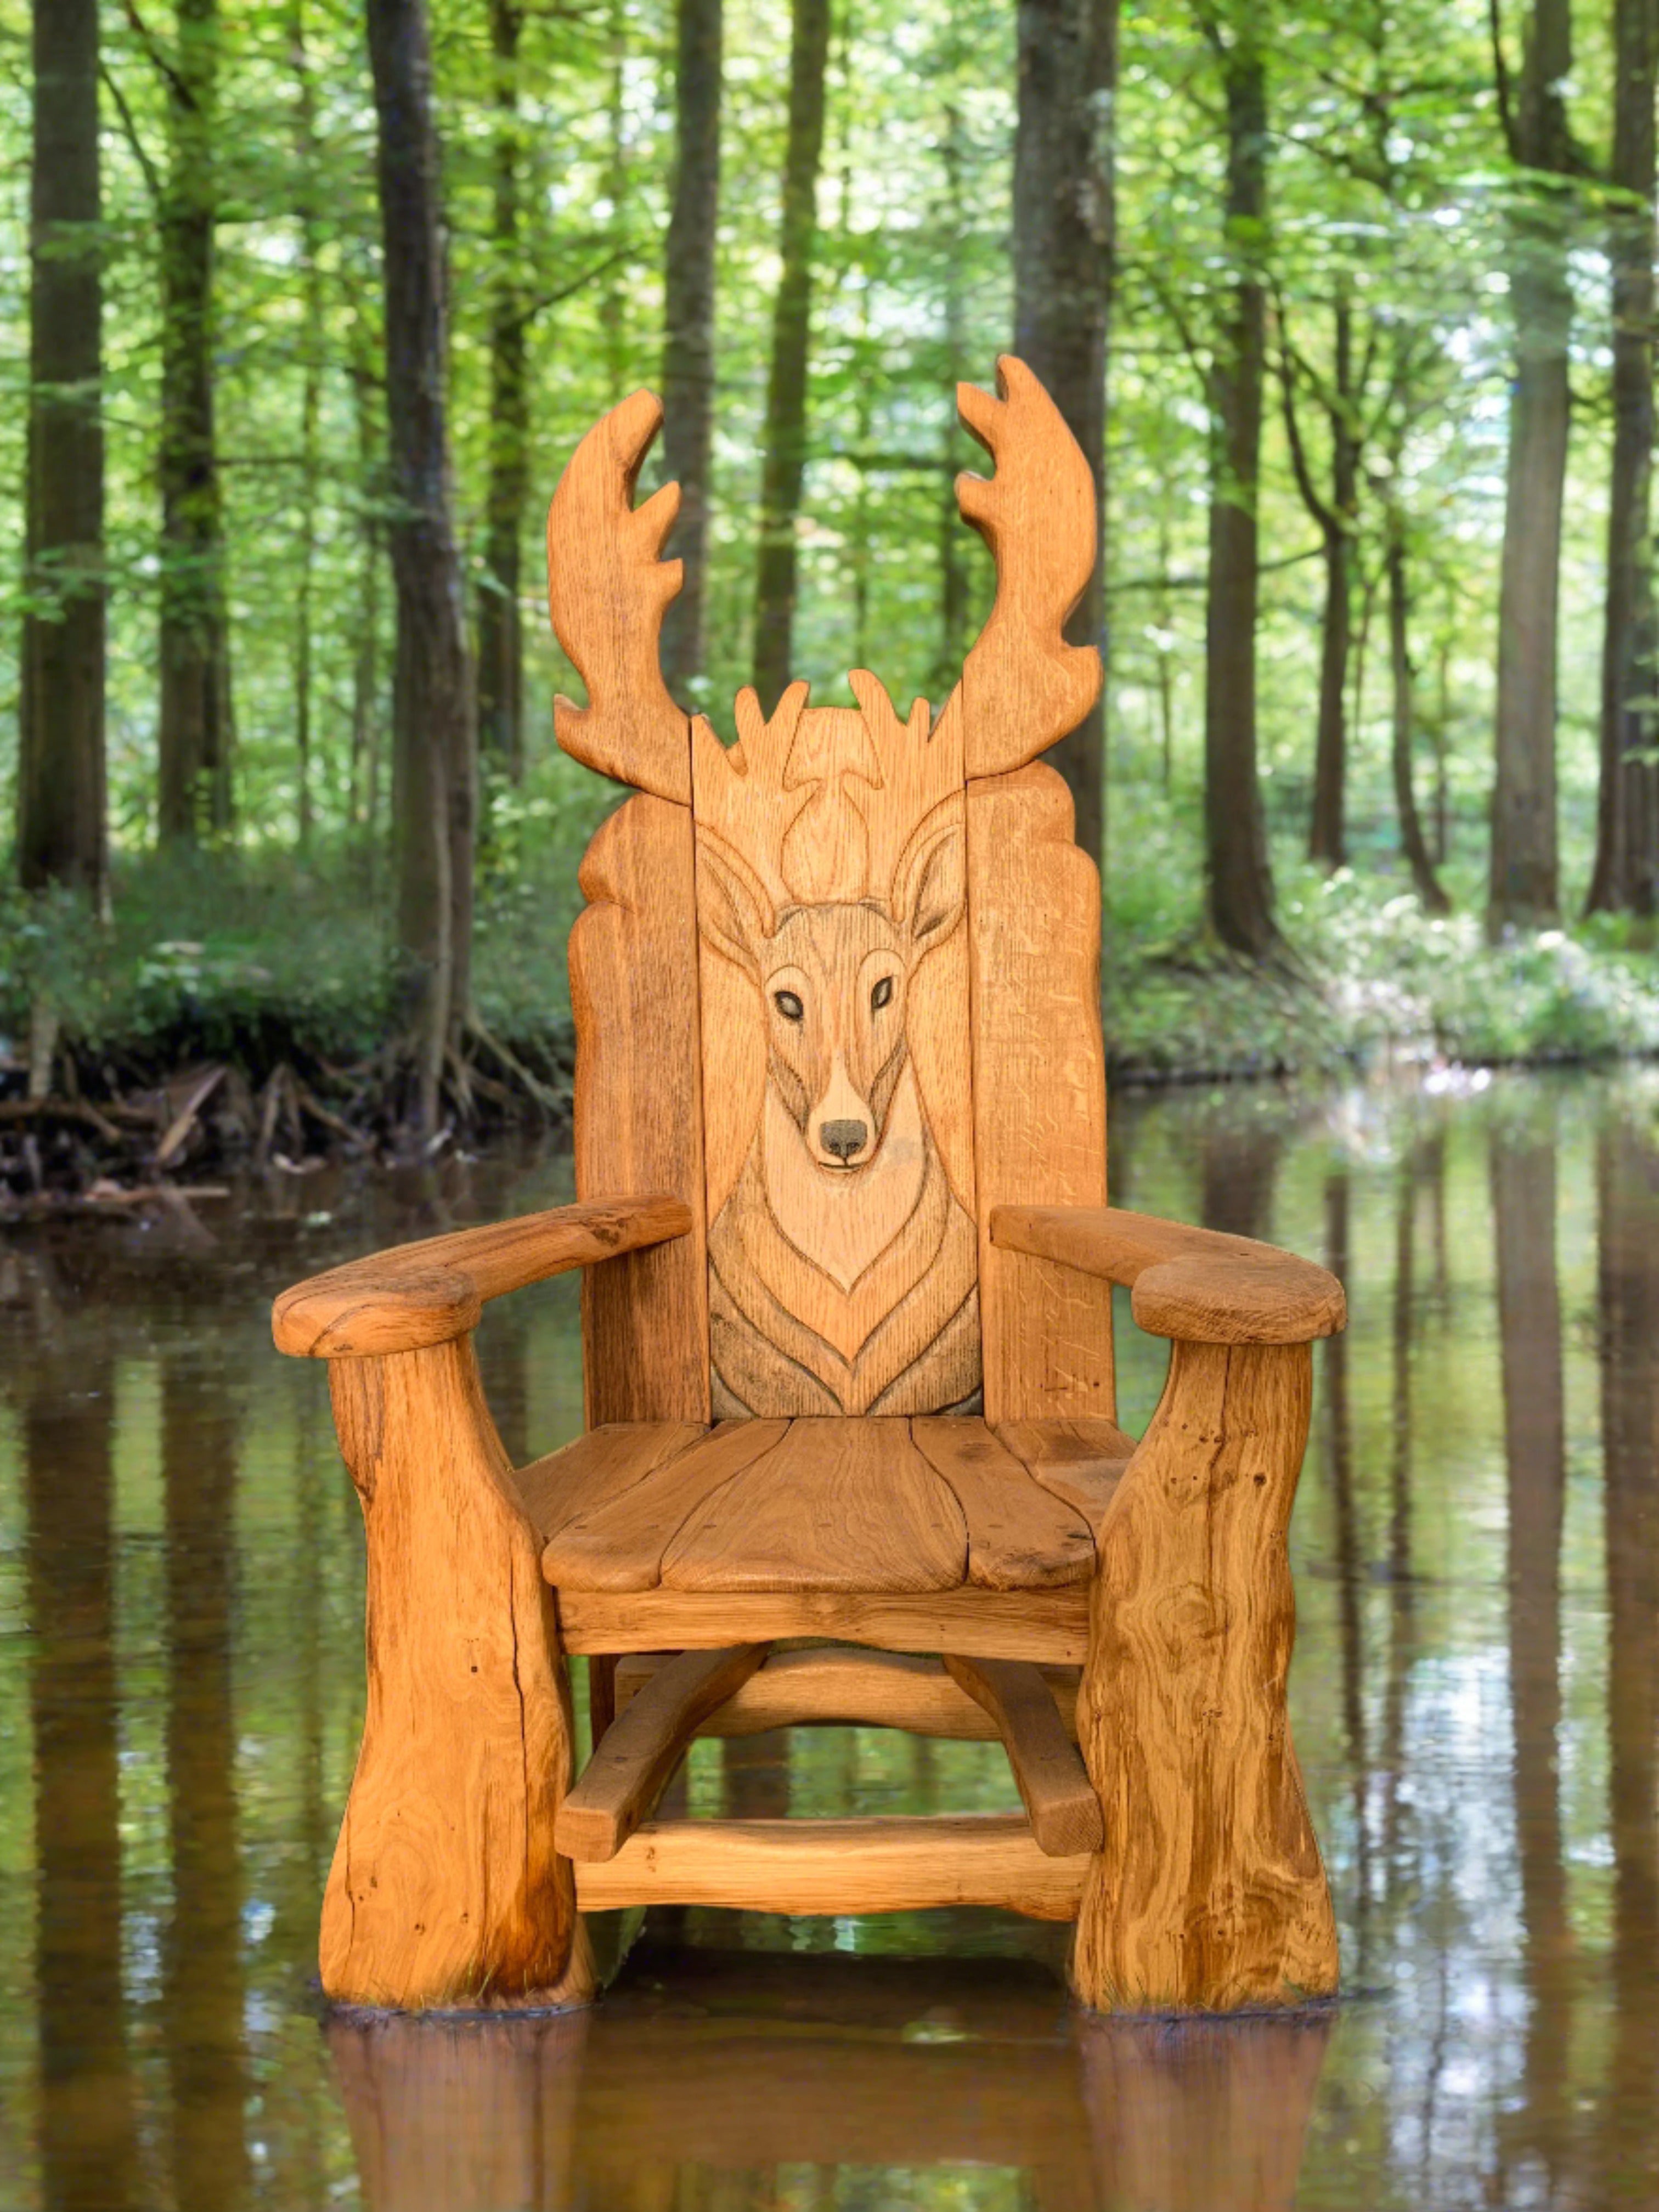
<point x="195" y="735"/>
<point x="688" y="355"/>
<point x="60" y="782"/>
<point x="1063" y="184"/>
<point x="1412" y="842"/>
<point x="311" y="399"/>
<point x="434" y="765"/>
<point x="784" y="456"/>
<point x="501" y="633"/>
<point x="1524" y="885"/>
<point x="1238" y="880"/>
<point x="1625" y="875"/>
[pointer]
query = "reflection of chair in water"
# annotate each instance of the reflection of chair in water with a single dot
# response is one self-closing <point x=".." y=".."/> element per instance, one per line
<point x="841" y="1142"/>
<point x="727" y="2066"/>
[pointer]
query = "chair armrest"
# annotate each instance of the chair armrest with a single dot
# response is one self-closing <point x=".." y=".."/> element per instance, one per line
<point x="428" y="1293"/>
<point x="1195" y="1284"/>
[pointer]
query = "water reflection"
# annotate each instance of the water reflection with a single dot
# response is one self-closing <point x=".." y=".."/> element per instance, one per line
<point x="1475" y="1701"/>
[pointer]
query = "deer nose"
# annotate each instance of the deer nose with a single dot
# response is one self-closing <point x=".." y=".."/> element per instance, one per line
<point x="843" y="1138"/>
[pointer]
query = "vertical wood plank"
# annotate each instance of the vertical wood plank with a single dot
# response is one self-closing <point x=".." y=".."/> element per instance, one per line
<point x="1039" y="1091"/>
<point x="639" y="1111"/>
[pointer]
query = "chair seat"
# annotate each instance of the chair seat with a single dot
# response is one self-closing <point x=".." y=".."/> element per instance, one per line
<point x="872" y="1505"/>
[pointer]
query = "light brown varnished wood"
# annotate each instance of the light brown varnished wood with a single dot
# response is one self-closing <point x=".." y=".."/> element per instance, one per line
<point x="833" y="1685"/>
<point x="446" y="1888"/>
<point x="593" y="1469"/>
<point x="1021" y="1535"/>
<point x="1208" y="1892"/>
<point x="895" y="1865"/>
<point x="606" y="591"/>
<point x="1051" y="1626"/>
<point x="835" y="1506"/>
<point x="1039" y="1092"/>
<point x="621" y="1784"/>
<point x="431" y="1291"/>
<point x="639" y="1112"/>
<point x="1194" y="1283"/>
<point x="1059" y="1799"/>
<point x="1082" y="1461"/>
<point x="616" y="1539"/>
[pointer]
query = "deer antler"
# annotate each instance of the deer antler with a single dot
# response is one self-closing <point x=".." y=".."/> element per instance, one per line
<point x="1023" y="687"/>
<point x="607" y="589"/>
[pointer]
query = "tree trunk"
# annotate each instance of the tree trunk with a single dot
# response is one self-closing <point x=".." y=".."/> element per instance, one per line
<point x="1625" y="878"/>
<point x="785" y="440"/>
<point x="434" y="736"/>
<point x="1524" y="869"/>
<point x="195" y="737"/>
<point x="613" y="294"/>
<point x="61" y="835"/>
<point x="1412" y="840"/>
<point x="500" y="633"/>
<point x="1239" y="879"/>
<point x="688" y="360"/>
<point x="310" y="409"/>
<point x="1063" y="245"/>
<point x="1327" y="843"/>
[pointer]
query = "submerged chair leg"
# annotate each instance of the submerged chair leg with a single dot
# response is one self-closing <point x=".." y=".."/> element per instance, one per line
<point x="1209" y="1894"/>
<point x="446" y="1888"/>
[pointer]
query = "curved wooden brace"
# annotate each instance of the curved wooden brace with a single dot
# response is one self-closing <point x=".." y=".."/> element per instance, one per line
<point x="1208" y="1893"/>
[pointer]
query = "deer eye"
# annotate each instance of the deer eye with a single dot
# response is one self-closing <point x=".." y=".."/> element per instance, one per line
<point x="882" y="995"/>
<point x="788" y="1005"/>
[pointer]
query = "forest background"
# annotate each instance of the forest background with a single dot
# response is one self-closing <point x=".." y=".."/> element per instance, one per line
<point x="305" y="303"/>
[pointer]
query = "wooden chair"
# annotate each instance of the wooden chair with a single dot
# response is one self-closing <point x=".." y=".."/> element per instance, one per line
<point x="841" y="1154"/>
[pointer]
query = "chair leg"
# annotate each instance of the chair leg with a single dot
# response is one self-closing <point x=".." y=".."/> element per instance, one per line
<point x="445" y="1889"/>
<point x="1209" y="1894"/>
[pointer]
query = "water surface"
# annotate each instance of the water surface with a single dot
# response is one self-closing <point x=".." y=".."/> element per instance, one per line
<point x="1475" y="1700"/>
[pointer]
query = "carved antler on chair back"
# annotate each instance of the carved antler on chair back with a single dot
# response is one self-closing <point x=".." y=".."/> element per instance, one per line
<point x="860" y="880"/>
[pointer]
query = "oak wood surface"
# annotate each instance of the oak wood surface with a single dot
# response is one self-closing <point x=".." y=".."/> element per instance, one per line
<point x="621" y="1784"/>
<point x="1039" y="1092"/>
<point x="1198" y="1285"/>
<point x="1020" y="1534"/>
<point x="1081" y="1461"/>
<point x="435" y="1289"/>
<point x="836" y="1685"/>
<point x="806" y="1867"/>
<point x="1059" y="1799"/>
<point x="639" y="1111"/>
<point x="614" y="1538"/>
<point x="1051" y="1626"/>
<point x="598" y="1466"/>
<point x="1208" y="1892"/>
<point x="446" y="1888"/>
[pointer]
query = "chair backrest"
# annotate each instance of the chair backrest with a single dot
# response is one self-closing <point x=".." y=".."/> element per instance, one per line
<point x="838" y="985"/>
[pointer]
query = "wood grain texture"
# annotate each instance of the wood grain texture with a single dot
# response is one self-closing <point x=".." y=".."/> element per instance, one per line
<point x="582" y="1475"/>
<point x="607" y="590"/>
<point x="616" y="1539"/>
<point x="1081" y="1461"/>
<point x="1194" y="1283"/>
<point x="1021" y="1535"/>
<point x="810" y="1866"/>
<point x="833" y="1685"/>
<point x="1051" y="1626"/>
<point x="621" y="1784"/>
<point x="831" y="897"/>
<point x="1055" y="1791"/>
<point x="446" y="1888"/>
<point x="639" y="1112"/>
<point x="435" y="1289"/>
<point x="1208" y="1893"/>
<point x="1039" y="1092"/>
<point x="835" y="1506"/>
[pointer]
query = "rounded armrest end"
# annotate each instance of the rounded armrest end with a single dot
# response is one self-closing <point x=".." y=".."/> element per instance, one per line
<point x="354" y="1312"/>
<point x="1236" y="1298"/>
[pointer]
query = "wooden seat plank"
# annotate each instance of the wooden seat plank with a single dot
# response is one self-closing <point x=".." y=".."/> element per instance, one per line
<point x="1051" y="1626"/>
<point x="582" y="1475"/>
<point x="1080" y="1461"/>
<point x="618" y="1543"/>
<point x="1021" y="1535"/>
<point x="836" y="1506"/>
<point x="1059" y="1799"/>
<point x="630" y="1768"/>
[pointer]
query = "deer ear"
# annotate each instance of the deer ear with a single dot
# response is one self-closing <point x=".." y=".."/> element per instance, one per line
<point x="733" y="912"/>
<point x="929" y="885"/>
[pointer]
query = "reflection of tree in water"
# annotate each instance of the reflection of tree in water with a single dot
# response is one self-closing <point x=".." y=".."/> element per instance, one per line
<point x="1349" y="1565"/>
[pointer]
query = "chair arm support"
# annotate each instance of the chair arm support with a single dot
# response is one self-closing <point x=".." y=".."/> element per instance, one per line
<point x="1196" y="1285"/>
<point x="429" y="1292"/>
